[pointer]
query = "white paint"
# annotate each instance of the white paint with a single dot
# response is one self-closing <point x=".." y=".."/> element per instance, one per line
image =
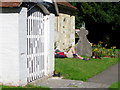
<point x="46" y="43"/>
<point x="11" y="46"/>
<point x="0" y="47"/>
<point x="49" y="43"/>
<point x="50" y="1"/>
<point x="36" y="35"/>
<point x="23" y="47"/>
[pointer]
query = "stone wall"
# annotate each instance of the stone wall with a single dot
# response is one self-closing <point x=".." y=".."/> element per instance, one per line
<point x="64" y="31"/>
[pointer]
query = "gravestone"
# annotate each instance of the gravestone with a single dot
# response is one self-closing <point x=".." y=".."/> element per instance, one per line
<point x="83" y="46"/>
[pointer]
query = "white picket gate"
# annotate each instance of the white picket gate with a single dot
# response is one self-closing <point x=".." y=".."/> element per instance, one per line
<point x="35" y="45"/>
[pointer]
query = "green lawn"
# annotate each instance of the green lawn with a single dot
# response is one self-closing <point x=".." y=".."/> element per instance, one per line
<point x="76" y="69"/>
<point x="27" y="87"/>
<point x="115" y="85"/>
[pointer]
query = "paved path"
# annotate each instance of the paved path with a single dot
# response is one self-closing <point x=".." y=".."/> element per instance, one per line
<point x="108" y="76"/>
<point x="103" y="80"/>
<point x="55" y="82"/>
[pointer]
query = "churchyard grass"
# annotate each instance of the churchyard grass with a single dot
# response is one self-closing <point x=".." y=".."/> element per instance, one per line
<point x="24" y="87"/>
<point x="76" y="69"/>
<point x="115" y="85"/>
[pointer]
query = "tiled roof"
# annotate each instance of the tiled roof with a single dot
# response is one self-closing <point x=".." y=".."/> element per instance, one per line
<point x="66" y="4"/>
<point x="17" y="3"/>
<point x="10" y="4"/>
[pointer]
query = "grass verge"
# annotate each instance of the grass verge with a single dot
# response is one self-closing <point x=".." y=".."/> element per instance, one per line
<point x="76" y="69"/>
<point x="27" y="87"/>
<point x="115" y="85"/>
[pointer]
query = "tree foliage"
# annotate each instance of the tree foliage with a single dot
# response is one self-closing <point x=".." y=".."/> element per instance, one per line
<point x="98" y="12"/>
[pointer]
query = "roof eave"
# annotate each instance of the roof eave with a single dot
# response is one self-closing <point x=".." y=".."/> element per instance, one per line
<point x="10" y="4"/>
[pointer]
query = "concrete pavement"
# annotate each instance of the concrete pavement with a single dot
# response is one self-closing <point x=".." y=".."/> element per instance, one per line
<point x="108" y="76"/>
<point x="56" y="82"/>
<point x="102" y="80"/>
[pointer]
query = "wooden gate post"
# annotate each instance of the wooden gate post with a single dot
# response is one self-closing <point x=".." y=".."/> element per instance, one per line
<point x="46" y="28"/>
<point x="49" y="44"/>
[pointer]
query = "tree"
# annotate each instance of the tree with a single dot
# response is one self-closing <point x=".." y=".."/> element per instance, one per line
<point x="98" y="12"/>
<point x="102" y="19"/>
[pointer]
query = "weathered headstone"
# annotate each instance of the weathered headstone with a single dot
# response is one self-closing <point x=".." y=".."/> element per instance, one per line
<point x="83" y="46"/>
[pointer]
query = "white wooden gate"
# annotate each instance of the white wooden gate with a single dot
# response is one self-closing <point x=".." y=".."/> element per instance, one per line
<point x="35" y="45"/>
